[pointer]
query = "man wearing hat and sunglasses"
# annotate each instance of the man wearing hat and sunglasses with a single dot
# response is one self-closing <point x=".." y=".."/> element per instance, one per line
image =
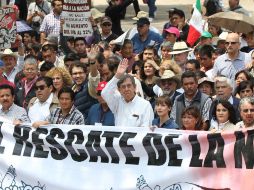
<point x="169" y="83"/>
<point x="145" y="37"/>
<point x="180" y="53"/>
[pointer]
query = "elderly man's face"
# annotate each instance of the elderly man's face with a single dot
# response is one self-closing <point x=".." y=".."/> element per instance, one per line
<point x="247" y="114"/>
<point x="127" y="90"/>
<point x="223" y="90"/>
<point x="168" y="86"/>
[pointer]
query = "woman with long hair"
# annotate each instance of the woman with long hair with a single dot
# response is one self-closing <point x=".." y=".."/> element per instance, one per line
<point x="223" y="117"/>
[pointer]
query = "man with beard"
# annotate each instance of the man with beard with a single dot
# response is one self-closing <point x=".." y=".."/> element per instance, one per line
<point x="169" y="83"/>
<point x="191" y="97"/>
<point x="180" y="53"/>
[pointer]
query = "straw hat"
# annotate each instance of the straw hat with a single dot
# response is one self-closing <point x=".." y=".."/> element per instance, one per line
<point x="95" y="13"/>
<point x="170" y="75"/>
<point x="140" y="15"/>
<point x="8" y="52"/>
<point x="180" y="47"/>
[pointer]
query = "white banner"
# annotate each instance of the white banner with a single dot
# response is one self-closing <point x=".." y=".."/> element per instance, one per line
<point x="75" y="14"/>
<point x="62" y="157"/>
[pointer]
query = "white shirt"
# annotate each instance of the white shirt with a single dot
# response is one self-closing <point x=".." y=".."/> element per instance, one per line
<point x="40" y="111"/>
<point x="136" y="113"/>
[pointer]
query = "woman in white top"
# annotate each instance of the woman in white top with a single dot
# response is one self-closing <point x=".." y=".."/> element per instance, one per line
<point x="224" y="117"/>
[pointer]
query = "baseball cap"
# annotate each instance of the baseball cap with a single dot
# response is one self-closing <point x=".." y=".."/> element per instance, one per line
<point x="206" y="34"/>
<point x="101" y="85"/>
<point x="173" y="30"/>
<point x="143" y="20"/>
<point x="106" y="19"/>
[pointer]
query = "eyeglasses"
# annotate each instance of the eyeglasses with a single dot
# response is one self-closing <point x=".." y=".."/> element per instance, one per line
<point x="248" y="110"/>
<point x="41" y="87"/>
<point x="232" y="43"/>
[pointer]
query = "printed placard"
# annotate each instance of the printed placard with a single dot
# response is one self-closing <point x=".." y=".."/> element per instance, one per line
<point x="76" y="15"/>
<point x="8" y="29"/>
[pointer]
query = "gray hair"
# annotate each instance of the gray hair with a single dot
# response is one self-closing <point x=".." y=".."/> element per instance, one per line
<point x="224" y="79"/>
<point x="248" y="100"/>
<point x="167" y="44"/>
<point x="30" y="60"/>
<point x="123" y="78"/>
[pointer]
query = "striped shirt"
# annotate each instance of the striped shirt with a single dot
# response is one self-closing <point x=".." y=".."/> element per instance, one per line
<point x="74" y="117"/>
<point x="15" y="112"/>
<point x="51" y="24"/>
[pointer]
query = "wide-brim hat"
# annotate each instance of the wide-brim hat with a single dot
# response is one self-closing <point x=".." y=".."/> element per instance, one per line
<point x="170" y="75"/>
<point x="140" y="15"/>
<point x="8" y="52"/>
<point x="180" y="47"/>
<point x="95" y="13"/>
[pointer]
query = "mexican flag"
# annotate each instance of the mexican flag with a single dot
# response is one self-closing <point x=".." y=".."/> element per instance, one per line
<point x="196" y="24"/>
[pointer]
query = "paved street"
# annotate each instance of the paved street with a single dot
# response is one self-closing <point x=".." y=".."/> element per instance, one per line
<point x="163" y="6"/>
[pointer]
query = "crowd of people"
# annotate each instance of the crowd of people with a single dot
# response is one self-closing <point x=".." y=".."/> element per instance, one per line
<point x="149" y="79"/>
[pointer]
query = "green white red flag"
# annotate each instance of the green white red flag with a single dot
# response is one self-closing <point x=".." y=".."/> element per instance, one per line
<point x="196" y="24"/>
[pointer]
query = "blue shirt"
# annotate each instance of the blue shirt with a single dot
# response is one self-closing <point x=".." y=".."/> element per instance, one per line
<point x="153" y="39"/>
<point x="97" y="115"/>
<point x="169" y="124"/>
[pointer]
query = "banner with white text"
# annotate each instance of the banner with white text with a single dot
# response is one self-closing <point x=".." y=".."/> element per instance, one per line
<point x="65" y="157"/>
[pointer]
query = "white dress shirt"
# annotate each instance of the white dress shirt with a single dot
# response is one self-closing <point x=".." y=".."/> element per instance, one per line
<point x="136" y="113"/>
<point x="40" y="111"/>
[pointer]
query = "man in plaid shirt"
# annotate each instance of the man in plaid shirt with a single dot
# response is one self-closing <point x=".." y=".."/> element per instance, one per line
<point x="51" y="22"/>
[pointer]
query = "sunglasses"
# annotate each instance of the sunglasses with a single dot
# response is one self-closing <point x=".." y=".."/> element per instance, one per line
<point x="248" y="110"/>
<point x="232" y="43"/>
<point x="42" y="87"/>
<point x="98" y="93"/>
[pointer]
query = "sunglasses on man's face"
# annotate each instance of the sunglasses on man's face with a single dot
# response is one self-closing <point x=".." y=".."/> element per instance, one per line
<point x="41" y="87"/>
<point x="106" y="24"/>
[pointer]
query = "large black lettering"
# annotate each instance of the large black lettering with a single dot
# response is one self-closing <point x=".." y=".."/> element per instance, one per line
<point x="245" y="150"/>
<point x="57" y="151"/>
<point x="196" y="150"/>
<point x="21" y="134"/>
<point x="156" y="140"/>
<point x="77" y="134"/>
<point x="110" y="135"/>
<point x="127" y="149"/>
<point x="39" y="152"/>
<point x="211" y="156"/>
<point x="1" y="138"/>
<point x="94" y="149"/>
<point x="173" y="148"/>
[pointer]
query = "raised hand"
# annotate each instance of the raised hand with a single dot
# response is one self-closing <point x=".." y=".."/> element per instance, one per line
<point x="122" y="67"/>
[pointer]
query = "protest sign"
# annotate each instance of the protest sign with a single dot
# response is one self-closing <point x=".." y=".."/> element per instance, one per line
<point x="7" y="27"/>
<point x="113" y="158"/>
<point x="75" y="14"/>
